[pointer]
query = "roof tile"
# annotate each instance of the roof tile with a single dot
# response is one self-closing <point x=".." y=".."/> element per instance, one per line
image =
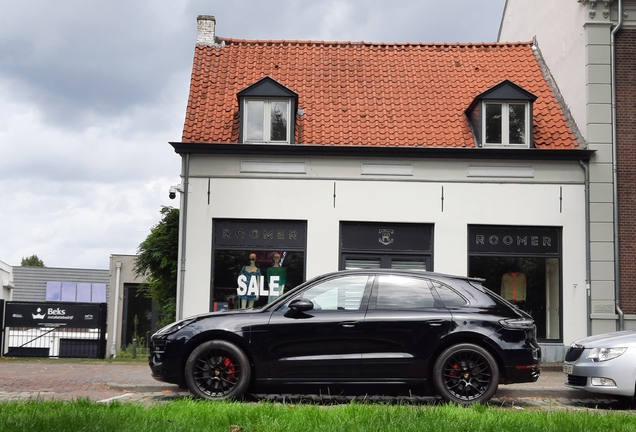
<point x="383" y="94"/>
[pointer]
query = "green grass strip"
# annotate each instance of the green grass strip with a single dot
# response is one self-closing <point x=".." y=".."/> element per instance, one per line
<point x="189" y="415"/>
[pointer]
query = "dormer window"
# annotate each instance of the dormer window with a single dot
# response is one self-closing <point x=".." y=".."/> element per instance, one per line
<point x="267" y="113"/>
<point x="266" y="120"/>
<point x="502" y="116"/>
<point x="506" y="124"/>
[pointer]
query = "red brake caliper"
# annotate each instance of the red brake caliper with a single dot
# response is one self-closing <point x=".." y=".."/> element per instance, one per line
<point x="230" y="368"/>
<point x="455" y="370"/>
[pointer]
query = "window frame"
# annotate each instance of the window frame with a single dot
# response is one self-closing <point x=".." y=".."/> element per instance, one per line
<point x="505" y="124"/>
<point x="266" y="120"/>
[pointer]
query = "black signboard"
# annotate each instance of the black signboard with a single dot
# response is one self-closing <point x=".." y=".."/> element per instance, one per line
<point x="53" y="314"/>
<point x="514" y="240"/>
<point x="260" y="233"/>
<point x="392" y="237"/>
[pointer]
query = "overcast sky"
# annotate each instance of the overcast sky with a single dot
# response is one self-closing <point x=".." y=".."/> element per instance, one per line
<point x="91" y="92"/>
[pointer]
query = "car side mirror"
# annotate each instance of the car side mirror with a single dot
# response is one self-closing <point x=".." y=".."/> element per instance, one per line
<point x="301" y="304"/>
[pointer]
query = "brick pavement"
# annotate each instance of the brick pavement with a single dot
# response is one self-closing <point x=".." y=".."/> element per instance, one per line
<point x="68" y="380"/>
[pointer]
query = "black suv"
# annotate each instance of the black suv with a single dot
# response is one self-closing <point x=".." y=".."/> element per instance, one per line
<point x="356" y="331"/>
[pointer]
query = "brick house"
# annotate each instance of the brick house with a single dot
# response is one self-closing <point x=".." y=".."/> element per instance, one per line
<point x="590" y="53"/>
<point x="455" y="158"/>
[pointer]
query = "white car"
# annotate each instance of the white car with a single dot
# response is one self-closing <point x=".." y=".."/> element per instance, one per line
<point x="603" y="364"/>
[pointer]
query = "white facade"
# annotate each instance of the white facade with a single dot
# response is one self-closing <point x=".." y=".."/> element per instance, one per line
<point x="558" y="28"/>
<point x="450" y="194"/>
<point x="6" y="277"/>
<point x="574" y="38"/>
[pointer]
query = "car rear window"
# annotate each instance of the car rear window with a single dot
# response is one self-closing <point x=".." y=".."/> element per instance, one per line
<point x="403" y="292"/>
<point x="449" y="297"/>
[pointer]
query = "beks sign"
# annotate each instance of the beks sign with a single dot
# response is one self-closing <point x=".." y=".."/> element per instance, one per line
<point x="38" y="314"/>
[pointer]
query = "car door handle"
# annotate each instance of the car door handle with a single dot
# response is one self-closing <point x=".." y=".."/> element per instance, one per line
<point x="436" y="323"/>
<point x="348" y="324"/>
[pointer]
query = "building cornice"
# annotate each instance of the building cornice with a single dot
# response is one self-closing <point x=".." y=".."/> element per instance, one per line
<point x="381" y="151"/>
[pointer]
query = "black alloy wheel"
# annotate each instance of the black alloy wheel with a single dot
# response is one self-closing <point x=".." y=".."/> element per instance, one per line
<point x="466" y="374"/>
<point x="217" y="370"/>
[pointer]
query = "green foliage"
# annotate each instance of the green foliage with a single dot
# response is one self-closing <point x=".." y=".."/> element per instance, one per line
<point x="191" y="415"/>
<point x="32" y="261"/>
<point x="157" y="259"/>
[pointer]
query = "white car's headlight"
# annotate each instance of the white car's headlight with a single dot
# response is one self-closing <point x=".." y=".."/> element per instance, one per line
<point x="604" y="354"/>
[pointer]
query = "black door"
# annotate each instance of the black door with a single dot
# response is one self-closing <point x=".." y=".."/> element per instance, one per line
<point x="325" y="343"/>
<point x="138" y="317"/>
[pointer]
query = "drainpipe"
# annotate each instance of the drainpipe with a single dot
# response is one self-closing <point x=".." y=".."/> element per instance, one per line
<point x="183" y="217"/>
<point x="588" y="267"/>
<point x="615" y="30"/>
<point x="113" y="347"/>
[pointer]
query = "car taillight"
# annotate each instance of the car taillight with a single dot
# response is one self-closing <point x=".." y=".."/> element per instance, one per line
<point x="517" y="323"/>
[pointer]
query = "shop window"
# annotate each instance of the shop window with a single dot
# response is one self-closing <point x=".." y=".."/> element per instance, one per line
<point x="531" y="283"/>
<point x="385" y="261"/>
<point x="270" y="274"/>
<point x="362" y="263"/>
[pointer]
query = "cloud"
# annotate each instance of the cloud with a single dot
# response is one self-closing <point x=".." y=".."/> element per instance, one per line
<point x="92" y="92"/>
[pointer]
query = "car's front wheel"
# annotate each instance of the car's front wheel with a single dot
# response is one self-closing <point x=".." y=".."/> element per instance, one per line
<point x="217" y="370"/>
<point x="466" y="374"/>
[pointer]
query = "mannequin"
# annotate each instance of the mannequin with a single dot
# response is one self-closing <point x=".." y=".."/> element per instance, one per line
<point x="276" y="270"/>
<point x="513" y="286"/>
<point x="251" y="271"/>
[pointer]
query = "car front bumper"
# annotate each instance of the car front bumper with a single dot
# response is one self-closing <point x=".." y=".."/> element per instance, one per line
<point x="615" y="377"/>
<point x="164" y="367"/>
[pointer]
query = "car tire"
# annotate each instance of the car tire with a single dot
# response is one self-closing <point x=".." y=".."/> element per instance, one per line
<point x="218" y="370"/>
<point x="466" y="374"/>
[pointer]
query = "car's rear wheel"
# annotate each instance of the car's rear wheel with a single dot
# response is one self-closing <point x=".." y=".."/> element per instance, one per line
<point x="466" y="374"/>
<point x="217" y="370"/>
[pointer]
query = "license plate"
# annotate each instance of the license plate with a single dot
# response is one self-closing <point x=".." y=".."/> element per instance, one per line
<point x="567" y="368"/>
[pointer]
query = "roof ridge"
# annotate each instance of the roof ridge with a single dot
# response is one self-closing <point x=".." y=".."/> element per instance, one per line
<point x="228" y="41"/>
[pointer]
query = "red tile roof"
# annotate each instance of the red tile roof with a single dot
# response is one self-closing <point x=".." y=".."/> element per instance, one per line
<point x="378" y="94"/>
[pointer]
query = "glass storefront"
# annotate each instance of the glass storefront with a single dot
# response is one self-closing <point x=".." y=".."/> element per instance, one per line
<point x="230" y="264"/>
<point x="254" y="261"/>
<point x="523" y="265"/>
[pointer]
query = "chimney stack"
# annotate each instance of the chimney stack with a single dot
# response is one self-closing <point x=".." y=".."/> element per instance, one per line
<point x="205" y="30"/>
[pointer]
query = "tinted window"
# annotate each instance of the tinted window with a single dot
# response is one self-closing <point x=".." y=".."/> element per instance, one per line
<point x="449" y="296"/>
<point x="403" y="292"/>
<point x="343" y="293"/>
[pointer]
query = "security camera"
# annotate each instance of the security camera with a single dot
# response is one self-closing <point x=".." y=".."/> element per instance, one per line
<point x="172" y="193"/>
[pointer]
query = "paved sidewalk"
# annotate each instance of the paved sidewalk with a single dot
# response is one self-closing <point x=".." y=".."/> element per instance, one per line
<point x="68" y="380"/>
<point x="106" y="381"/>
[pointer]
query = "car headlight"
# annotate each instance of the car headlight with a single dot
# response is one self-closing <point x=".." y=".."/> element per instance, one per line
<point x="175" y="326"/>
<point x="604" y="354"/>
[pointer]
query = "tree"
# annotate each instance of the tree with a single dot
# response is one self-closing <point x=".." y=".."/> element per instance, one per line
<point x="157" y="259"/>
<point x="32" y="261"/>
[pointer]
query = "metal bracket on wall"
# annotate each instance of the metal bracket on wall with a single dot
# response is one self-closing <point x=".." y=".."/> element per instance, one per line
<point x="334" y="194"/>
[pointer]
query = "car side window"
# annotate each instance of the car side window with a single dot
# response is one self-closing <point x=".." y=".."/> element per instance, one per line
<point x="449" y="297"/>
<point x="403" y="292"/>
<point x="343" y="293"/>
